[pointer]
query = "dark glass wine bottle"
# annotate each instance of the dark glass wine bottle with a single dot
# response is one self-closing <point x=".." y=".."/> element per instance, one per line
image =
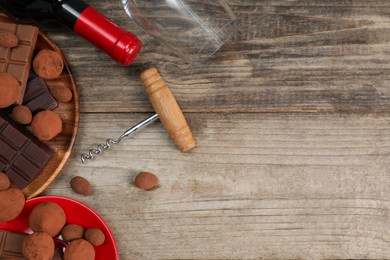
<point x="83" y="19"/>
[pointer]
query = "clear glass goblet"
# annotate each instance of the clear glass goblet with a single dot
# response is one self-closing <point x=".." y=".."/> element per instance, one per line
<point x="192" y="29"/>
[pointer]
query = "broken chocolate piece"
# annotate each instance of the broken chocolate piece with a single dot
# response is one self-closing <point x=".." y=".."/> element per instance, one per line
<point x="22" y="155"/>
<point x="17" y="61"/>
<point x="37" y="96"/>
<point x="11" y="246"/>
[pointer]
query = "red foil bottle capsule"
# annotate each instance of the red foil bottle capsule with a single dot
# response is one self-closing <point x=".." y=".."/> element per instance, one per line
<point x="122" y="46"/>
<point x="83" y="19"/>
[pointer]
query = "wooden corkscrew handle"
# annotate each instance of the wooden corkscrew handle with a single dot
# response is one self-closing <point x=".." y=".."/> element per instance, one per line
<point x="169" y="112"/>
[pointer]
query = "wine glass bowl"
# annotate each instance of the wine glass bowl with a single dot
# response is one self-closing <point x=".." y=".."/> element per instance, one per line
<point x="192" y="29"/>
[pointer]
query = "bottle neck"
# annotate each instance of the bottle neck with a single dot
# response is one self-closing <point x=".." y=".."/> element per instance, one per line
<point x="121" y="45"/>
<point x="68" y="11"/>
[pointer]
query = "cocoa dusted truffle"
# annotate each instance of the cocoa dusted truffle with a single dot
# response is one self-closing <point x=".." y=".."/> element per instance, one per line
<point x="11" y="203"/>
<point x="38" y="246"/>
<point x="46" y="125"/>
<point x="72" y="232"/>
<point x="47" y="217"/>
<point x="8" y="39"/>
<point x="79" y="249"/>
<point x="61" y="93"/>
<point x="4" y="181"/>
<point x="95" y="236"/>
<point x="22" y="114"/>
<point x="9" y="89"/>
<point x="48" y="64"/>
<point x="146" y="180"/>
<point x="81" y="185"/>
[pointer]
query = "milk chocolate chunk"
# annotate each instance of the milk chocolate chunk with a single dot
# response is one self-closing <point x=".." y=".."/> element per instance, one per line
<point x="17" y="60"/>
<point x="11" y="246"/>
<point x="37" y="96"/>
<point x="22" y="156"/>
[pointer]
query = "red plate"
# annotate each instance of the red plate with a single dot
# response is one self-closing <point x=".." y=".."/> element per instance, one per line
<point x="76" y="213"/>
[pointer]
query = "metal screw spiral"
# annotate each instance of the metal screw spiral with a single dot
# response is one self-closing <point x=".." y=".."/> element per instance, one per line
<point x="109" y="142"/>
<point x="92" y="152"/>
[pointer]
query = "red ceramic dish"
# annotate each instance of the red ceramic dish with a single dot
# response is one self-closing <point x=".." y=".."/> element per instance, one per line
<point x="76" y="213"/>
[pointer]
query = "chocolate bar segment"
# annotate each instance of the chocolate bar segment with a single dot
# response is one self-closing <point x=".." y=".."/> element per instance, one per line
<point x="22" y="155"/>
<point x="11" y="246"/>
<point x="37" y="96"/>
<point x="17" y="61"/>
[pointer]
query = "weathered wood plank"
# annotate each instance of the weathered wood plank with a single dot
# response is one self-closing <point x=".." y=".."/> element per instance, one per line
<point x="286" y="56"/>
<point x="296" y="186"/>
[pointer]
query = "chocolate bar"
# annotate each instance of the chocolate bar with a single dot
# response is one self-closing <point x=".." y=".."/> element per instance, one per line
<point x="22" y="155"/>
<point x="11" y="246"/>
<point x="37" y="96"/>
<point x="17" y="61"/>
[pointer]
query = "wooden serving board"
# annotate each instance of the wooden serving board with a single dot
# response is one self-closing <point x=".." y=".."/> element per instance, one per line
<point x="69" y="113"/>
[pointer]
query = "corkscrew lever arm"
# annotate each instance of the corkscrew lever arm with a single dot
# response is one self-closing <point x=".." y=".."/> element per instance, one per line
<point x="131" y="131"/>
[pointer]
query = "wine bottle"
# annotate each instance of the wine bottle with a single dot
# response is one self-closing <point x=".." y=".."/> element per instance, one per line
<point x="83" y="19"/>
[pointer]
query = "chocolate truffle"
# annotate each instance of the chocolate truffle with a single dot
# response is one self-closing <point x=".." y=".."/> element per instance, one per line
<point x="146" y="180"/>
<point x="72" y="232"/>
<point x="11" y="203"/>
<point x="79" y="249"/>
<point x="38" y="246"/>
<point x="48" y="64"/>
<point x="47" y="217"/>
<point x="46" y="125"/>
<point x="8" y="39"/>
<point x="4" y="181"/>
<point x="22" y="114"/>
<point x="95" y="236"/>
<point x="81" y="186"/>
<point x="61" y="93"/>
<point x="9" y="89"/>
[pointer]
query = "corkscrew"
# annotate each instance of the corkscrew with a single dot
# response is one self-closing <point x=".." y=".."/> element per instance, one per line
<point x="167" y="110"/>
<point x="131" y="131"/>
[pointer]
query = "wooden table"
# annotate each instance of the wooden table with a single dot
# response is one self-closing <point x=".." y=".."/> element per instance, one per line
<point x="292" y="123"/>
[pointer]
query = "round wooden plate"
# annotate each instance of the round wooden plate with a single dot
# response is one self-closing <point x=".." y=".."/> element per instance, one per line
<point x="69" y="113"/>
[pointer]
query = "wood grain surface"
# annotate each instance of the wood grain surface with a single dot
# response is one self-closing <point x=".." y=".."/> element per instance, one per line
<point x="291" y="118"/>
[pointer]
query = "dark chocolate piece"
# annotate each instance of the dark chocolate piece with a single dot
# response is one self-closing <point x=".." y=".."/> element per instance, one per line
<point x="22" y="155"/>
<point x="37" y="96"/>
<point x="17" y="61"/>
<point x="11" y="246"/>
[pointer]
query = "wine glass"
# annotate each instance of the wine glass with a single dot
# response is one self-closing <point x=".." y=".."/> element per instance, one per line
<point x="192" y="29"/>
